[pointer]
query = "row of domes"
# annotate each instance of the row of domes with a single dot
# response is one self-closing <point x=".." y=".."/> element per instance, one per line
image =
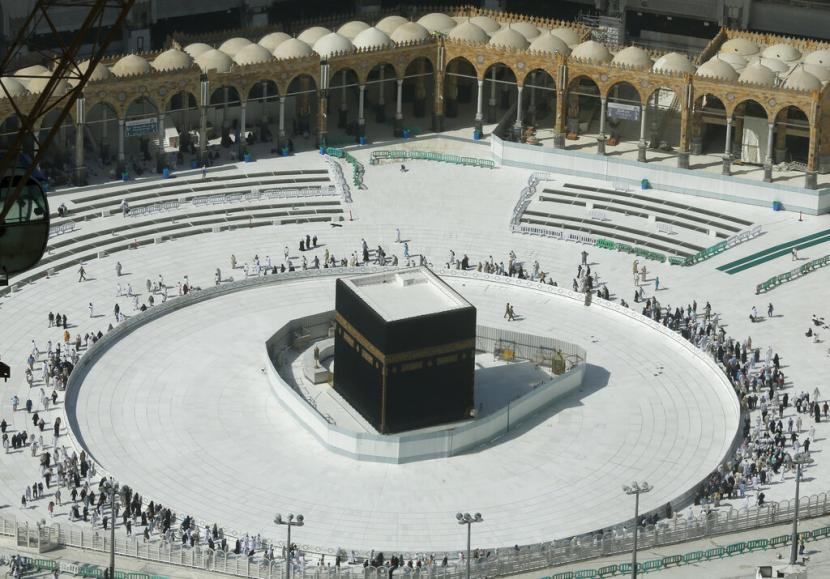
<point x="740" y="59"/>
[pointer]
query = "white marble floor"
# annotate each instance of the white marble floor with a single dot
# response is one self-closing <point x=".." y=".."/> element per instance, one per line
<point x="437" y="208"/>
<point x="181" y="408"/>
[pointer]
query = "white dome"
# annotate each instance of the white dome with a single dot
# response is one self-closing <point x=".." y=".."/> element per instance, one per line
<point x="313" y="34"/>
<point x="740" y="46"/>
<point x="757" y="74"/>
<point x="509" y="38"/>
<point x="292" y="48"/>
<point x="486" y="23"/>
<point x="549" y="43"/>
<point x="775" y="65"/>
<point x="592" y="51"/>
<point x="233" y="45"/>
<point x="214" y="60"/>
<point x="390" y="24"/>
<point x="332" y="43"/>
<point x="717" y="69"/>
<point x="526" y="29"/>
<point x="271" y="41"/>
<point x="410" y="32"/>
<point x="800" y="79"/>
<point x="673" y="62"/>
<point x="101" y="72"/>
<point x="352" y="29"/>
<point x="197" y="48"/>
<point x="785" y="52"/>
<point x="14" y="87"/>
<point x="568" y="35"/>
<point x="36" y="85"/>
<point x="821" y="57"/>
<point x="437" y="22"/>
<point x="252" y="54"/>
<point x="172" y="59"/>
<point x="372" y="38"/>
<point x="34" y="70"/>
<point x="633" y="56"/>
<point x="820" y="72"/>
<point x="130" y="65"/>
<point x="468" y="32"/>
<point x="733" y="59"/>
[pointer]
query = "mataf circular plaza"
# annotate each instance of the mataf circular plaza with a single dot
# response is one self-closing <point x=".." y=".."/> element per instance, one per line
<point x="440" y="305"/>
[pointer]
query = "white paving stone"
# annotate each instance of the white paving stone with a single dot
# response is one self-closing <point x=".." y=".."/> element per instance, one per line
<point x="437" y="207"/>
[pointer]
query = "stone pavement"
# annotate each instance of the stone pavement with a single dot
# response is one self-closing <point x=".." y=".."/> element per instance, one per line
<point x="438" y="208"/>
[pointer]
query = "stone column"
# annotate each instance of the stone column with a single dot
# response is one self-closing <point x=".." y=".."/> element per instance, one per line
<point x="205" y="98"/>
<point x="322" y="120"/>
<point x="560" y="124"/>
<point x="243" y="118"/>
<point x="642" y="145"/>
<point x="519" y="118"/>
<point x="727" y="153"/>
<point x="768" y="159"/>
<point x="781" y="138"/>
<point x="380" y="109"/>
<point x="531" y="110"/>
<point x="479" y="106"/>
<point x="80" y="127"/>
<point x="438" y="103"/>
<point x="399" y="110"/>
<point x="282" y="117"/>
<point x="601" y="139"/>
<point x="122" y="129"/>
<point x="161" y="155"/>
<point x="491" y="103"/>
<point x="343" y="114"/>
<point x="654" y="140"/>
<point x="361" y="120"/>
<point x="686" y="106"/>
<point x="811" y="175"/>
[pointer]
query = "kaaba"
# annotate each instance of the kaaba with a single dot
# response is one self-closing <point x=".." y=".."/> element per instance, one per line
<point x="404" y="349"/>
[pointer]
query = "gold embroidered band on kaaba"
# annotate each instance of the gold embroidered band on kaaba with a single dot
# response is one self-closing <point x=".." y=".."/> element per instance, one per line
<point x="388" y="359"/>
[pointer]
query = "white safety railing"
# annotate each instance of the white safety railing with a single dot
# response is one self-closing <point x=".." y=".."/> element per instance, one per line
<point x="667" y="228"/>
<point x="336" y="176"/>
<point x="526" y="196"/>
<point x="264" y="195"/>
<point x="157" y="207"/>
<point x="599" y="215"/>
<point x="61" y="228"/>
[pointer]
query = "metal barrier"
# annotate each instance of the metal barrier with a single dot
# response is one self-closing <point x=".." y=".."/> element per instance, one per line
<point x="264" y="195"/>
<point x="336" y="176"/>
<point x="406" y="155"/>
<point x="357" y="166"/>
<point x="794" y="274"/>
<point x="636" y="250"/>
<point x="62" y="228"/>
<point x="157" y="207"/>
<point x="722" y="246"/>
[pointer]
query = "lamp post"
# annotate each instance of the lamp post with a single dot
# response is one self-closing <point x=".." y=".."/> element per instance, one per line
<point x="289" y="521"/>
<point x="111" y="487"/>
<point x="468" y="519"/>
<point x="636" y="489"/>
<point x="799" y="459"/>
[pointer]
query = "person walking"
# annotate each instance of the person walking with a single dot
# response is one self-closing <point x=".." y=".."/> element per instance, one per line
<point x="770" y="309"/>
<point x="91" y="310"/>
<point x="81" y="274"/>
<point x="118" y="268"/>
<point x="584" y="257"/>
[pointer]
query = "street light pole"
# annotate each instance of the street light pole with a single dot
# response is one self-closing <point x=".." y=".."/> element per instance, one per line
<point x="289" y="521"/>
<point x="636" y="489"/>
<point x="112" y="488"/>
<point x="799" y="459"/>
<point x="468" y="519"/>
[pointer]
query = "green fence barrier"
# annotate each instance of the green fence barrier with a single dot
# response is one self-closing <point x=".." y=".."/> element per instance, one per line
<point x="672" y="560"/>
<point x="718" y="552"/>
<point x="735" y="548"/>
<point x="357" y="167"/>
<point x="565" y="575"/>
<point x="586" y="574"/>
<point x="608" y="570"/>
<point x="756" y="544"/>
<point x="652" y="565"/>
<point x="779" y="540"/>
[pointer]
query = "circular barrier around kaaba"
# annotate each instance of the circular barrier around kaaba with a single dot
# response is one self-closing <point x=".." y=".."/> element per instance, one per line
<point x="176" y="403"/>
